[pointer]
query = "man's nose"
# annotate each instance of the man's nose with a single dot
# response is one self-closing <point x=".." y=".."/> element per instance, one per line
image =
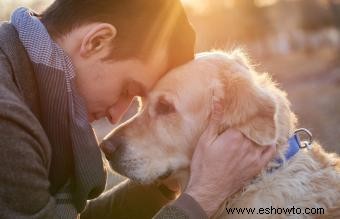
<point x="116" y="112"/>
<point x="110" y="145"/>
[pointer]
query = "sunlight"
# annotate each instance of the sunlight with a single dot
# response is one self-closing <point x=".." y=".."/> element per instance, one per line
<point x="263" y="3"/>
<point x="188" y="2"/>
<point x="197" y="5"/>
<point x="165" y="23"/>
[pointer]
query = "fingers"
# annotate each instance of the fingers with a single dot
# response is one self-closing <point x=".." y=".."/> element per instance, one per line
<point x="267" y="154"/>
<point x="246" y="149"/>
<point x="236" y="140"/>
<point x="214" y="123"/>
<point x="217" y="110"/>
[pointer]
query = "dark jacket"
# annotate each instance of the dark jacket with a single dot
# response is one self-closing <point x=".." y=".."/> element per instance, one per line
<point x="26" y="154"/>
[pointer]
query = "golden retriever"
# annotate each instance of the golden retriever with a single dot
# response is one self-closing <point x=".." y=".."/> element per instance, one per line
<point x="159" y="141"/>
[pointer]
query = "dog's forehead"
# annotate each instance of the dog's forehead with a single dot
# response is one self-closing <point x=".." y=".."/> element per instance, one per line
<point x="234" y="62"/>
<point x="206" y="70"/>
<point x="191" y="73"/>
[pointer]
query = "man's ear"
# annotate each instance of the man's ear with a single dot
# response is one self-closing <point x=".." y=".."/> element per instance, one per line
<point x="97" y="39"/>
<point x="250" y="109"/>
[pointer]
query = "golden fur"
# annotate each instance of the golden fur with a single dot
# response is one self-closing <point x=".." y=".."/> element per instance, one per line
<point x="160" y="140"/>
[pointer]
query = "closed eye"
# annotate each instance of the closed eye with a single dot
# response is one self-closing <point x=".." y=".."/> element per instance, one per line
<point x="133" y="88"/>
<point x="164" y="107"/>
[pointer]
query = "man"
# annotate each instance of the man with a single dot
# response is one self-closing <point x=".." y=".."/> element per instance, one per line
<point x="80" y="61"/>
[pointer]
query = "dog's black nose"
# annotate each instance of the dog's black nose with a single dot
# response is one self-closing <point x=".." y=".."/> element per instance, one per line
<point x="109" y="146"/>
<point x="165" y="175"/>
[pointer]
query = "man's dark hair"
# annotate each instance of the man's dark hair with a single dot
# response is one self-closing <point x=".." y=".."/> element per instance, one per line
<point x="143" y="26"/>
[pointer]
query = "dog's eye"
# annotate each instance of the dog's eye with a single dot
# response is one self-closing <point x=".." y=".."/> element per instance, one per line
<point x="163" y="107"/>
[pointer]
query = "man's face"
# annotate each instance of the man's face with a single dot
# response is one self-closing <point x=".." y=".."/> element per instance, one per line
<point x="109" y="86"/>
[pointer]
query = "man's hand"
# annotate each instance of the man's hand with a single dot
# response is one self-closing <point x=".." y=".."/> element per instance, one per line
<point x="223" y="164"/>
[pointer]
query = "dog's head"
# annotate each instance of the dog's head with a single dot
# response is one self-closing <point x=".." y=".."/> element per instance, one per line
<point x="161" y="139"/>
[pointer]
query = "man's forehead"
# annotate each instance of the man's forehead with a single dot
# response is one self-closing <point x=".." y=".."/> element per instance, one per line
<point x="154" y="72"/>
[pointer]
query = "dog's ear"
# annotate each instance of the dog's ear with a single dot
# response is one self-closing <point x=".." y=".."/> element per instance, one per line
<point x="249" y="107"/>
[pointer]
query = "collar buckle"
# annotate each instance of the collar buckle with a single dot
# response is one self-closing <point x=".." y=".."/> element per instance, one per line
<point x="305" y="138"/>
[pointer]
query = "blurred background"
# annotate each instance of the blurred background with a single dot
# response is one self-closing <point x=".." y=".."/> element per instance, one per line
<point x="297" y="41"/>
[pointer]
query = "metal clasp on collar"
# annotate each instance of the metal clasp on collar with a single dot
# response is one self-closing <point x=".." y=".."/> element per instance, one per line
<point x="305" y="143"/>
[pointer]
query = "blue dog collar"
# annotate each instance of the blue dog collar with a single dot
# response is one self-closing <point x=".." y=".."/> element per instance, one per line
<point x="295" y="144"/>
